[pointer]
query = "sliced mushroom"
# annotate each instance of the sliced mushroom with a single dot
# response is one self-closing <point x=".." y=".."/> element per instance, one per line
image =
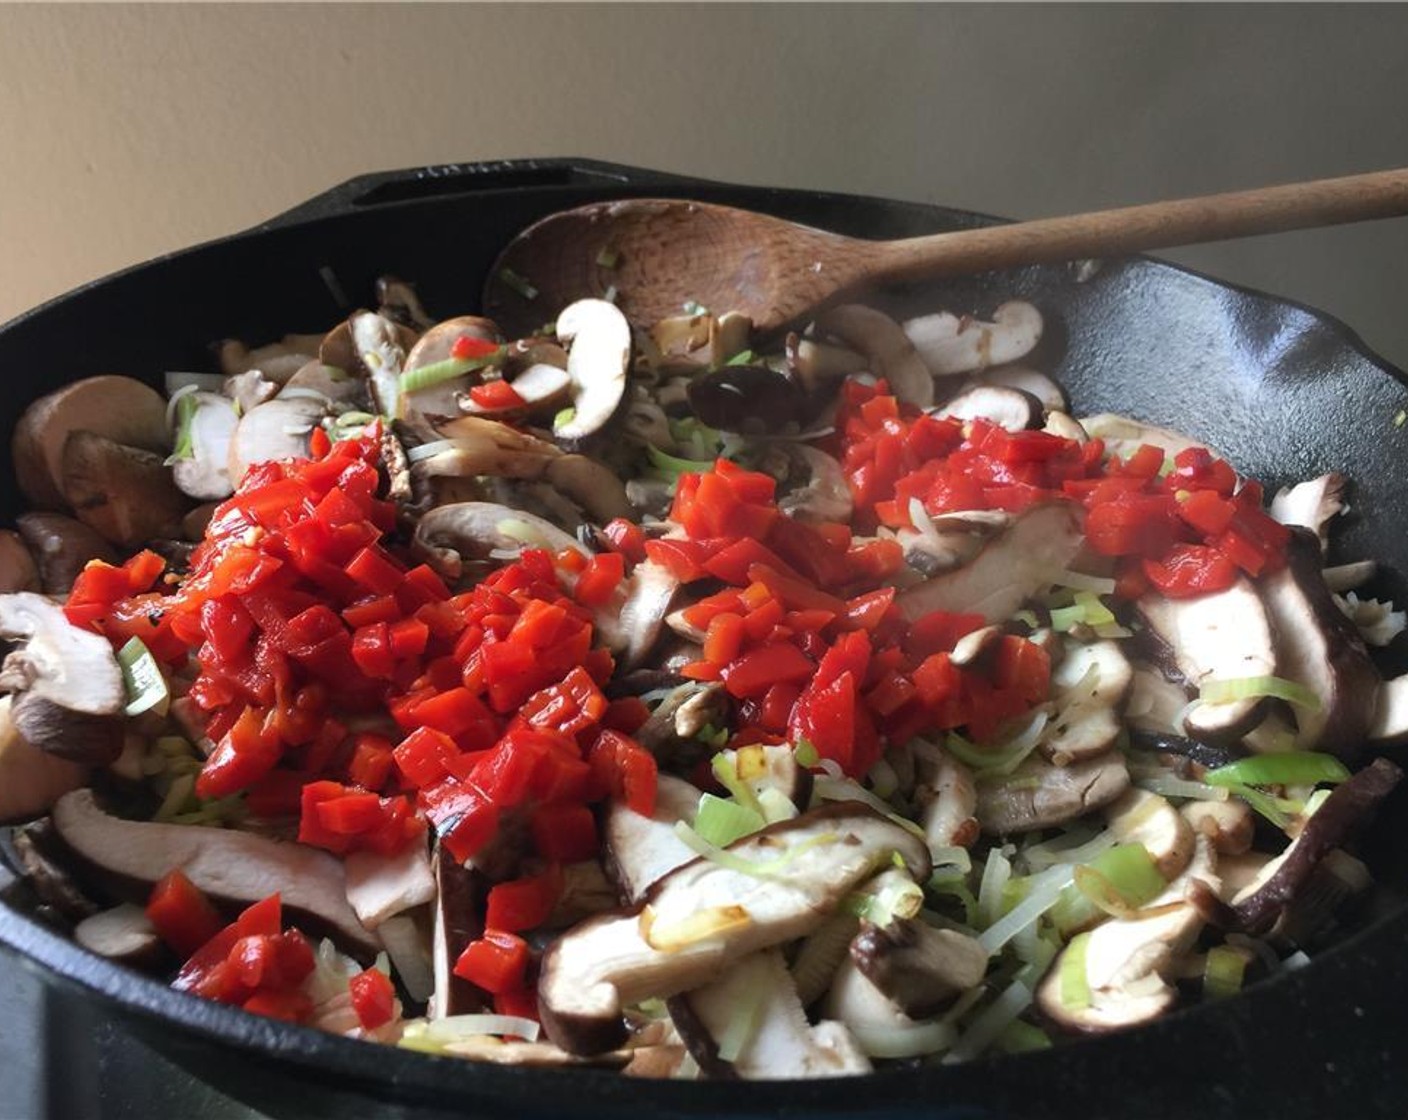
<point x="1155" y="703"/>
<point x="1349" y="808"/>
<point x="586" y="892"/>
<point x="1012" y="409"/>
<point x="592" y="485"/>
<point x="1228" y="825"/>
<point x="31" y="780"/>
<point x="379" y="346"/>
<point x="642" y="850"/>
<point x="201" y="467"/>
<point x="1390" y="725"/>
<point x="277" y="429"/>
<point x="458" y="920"/>
<point x="126" y="494"/>
<point x="950" y="344"/>
<point x="318" y="381"/>
<point x="250" y="389"/>
<point x="1317" y="647"/>
<point x="1010" y="569"/>
<point x="397" y="300"/>
<point x="764" y="766"/>
<point x="703" y="916"/>
<point x="124" y="411"/>
<point x="825" y="496"/>
<point x="43" y="860"/>
<point x="1225" y="635"/>
<point x="1351" y="576"/>
<point x="948" y="800"/>
<point x="782" y="1044"/>
<point x="1123" y="435"/>
<point x="69" y="694"/>
<point x="540" y="389"/>
<point x="234" y="868"/>
<point x="278" y="361"/>
<point x="814" y="363"/>
<point x="1039" y="795"/>
<point x="671" y="733"/>
<point x="752" y="399"/>
<point x="1128" y="961"/>
<point x="631" y="621"/>
<point x="1052" y="397"/>
<point x="1140" y="817"/>
<point x="919" y="968"/>
<point x="1061" y="424"/>
<point x="18" y="571"/>
<point x="1311" y="505"/>
<point x="124" y="934"/>
<point x="1090" y="685"/>
<point x="598" y="358"/>
<point x="452" y="534"/>
<point x="435" y="346"/>
<point x="380" y="887"/>
<point x="889" y="353"/>
<point x="488" y="447"/>
<point x="973" y="647"/>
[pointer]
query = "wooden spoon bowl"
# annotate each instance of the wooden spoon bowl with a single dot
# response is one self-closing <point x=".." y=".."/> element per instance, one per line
<point x="655" y="257"/>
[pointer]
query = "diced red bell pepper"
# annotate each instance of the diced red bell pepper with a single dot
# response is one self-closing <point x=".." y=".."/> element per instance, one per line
<point x="184" y="918"/>
<point x="564" y="833"/>
<point x="759" y="669"/>
<point x="495" y="963"/>
<point x="1190" y="570"/>
<point x="373" y="998"/>
<point x="523" y="904"/>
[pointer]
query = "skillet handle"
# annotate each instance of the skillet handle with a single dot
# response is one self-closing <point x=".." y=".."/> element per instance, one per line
<point x="448" y="180"/>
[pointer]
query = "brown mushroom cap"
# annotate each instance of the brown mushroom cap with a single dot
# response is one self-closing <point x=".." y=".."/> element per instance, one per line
<point x="126" y="494"/>
<point x="62" y="546"/>
<point x="121" y="409"/>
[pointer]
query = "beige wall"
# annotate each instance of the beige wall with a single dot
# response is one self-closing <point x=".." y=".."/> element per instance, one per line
<point x="129" y="130"/>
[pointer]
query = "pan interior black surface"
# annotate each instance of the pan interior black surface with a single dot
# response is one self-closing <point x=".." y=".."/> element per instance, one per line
<point x="1284" y="392"/>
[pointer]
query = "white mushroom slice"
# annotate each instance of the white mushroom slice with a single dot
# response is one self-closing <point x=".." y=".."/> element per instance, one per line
<point x="314" y="379"/>
<point x="278" y="361"/>
<point x="1039" y="795"/>
<point x="866" y="1012"/>
<point x="1010" y="569"/>
<point x="451" y="534"/>
<point x="1048" y="392"/>
<point x="920" y="969"/>
<point x="69" y="690"/>
<point x="972" y="646"/>
<point x="379" y="345"/>
<point x="1242" y="872"/>
<point x="815" y="364"/>
<point x="703" y="916"/>
<point x="1011" y="409"/>
<point x="949" y="801"/>
<point x="202" y="457"/>
<point x="1228" y="825"/>
<point x="641" y="850"/>
<point x="1123" y="436"/>
<point x="1318" y="648"/>
<point x="236" y="867"/>
<point x="444" y="398"/>
<point x="380" y="887"/>
<point x="779" y="1044"/>
<point x="1140" y="817"/>
<point x="1155" y="703"/>
<point x="586" y="892"/>
<point x="729" y="334"/>
<point x="1311" y="504"/>
<point x="123" y="410"/>
<point x="1090" y="685"/>
<point x="598" y="358"/>
<point x="124" y="933"/>
<point x="125" y="493"/>
<point x="1225" y="635"/>
<point x="631" y="621"/>
<point x="826" y="495"/>
<point x="277" y="429"/>
<point x="1349" y="577"/>
<point x="31" y="780"/>
<point x="1129" y="960"/>
<point x="250" y="389"/>
<point x="1390" y="723"/>
<point x="951" y="344"/>
<point x="592" y="485"/>
<point x="1061" y="424"/>
<point x="888" y="351"/>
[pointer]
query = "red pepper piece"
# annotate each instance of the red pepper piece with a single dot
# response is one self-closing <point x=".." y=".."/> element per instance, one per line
<point x="373" y="998"/>
<point x="184" y="918"/>
<point x="523" y="904"/>
<point x="496" y="962"/>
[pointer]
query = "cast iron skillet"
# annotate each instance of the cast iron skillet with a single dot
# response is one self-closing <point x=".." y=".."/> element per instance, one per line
<point x="1284" y="391"/>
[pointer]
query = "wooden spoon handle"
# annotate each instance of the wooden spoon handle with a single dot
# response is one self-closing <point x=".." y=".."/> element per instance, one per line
<point x="1157" y="225"/>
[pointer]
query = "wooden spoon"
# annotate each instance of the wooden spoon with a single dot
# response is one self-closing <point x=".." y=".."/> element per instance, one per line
<point x="661" y="254"/>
